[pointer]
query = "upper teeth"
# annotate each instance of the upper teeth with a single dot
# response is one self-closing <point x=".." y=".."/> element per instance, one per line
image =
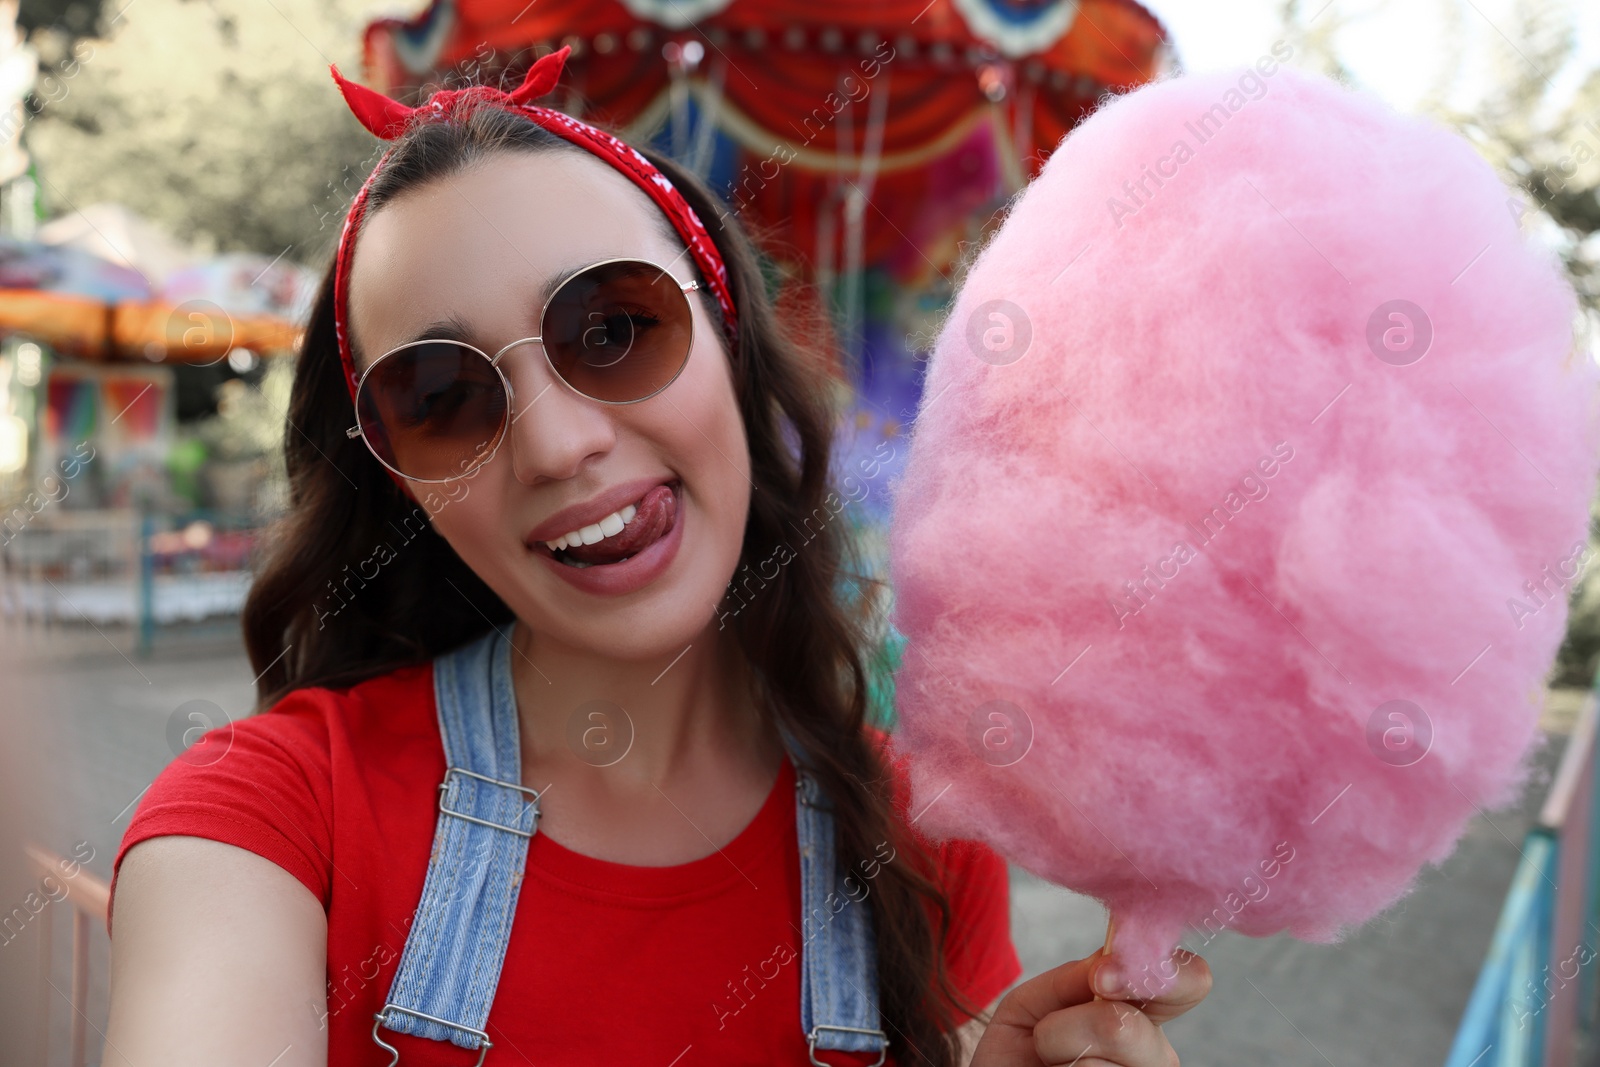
<point x="588" y="535"/>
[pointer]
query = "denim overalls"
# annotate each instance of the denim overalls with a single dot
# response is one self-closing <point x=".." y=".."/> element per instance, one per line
<point x="452" y="957"/>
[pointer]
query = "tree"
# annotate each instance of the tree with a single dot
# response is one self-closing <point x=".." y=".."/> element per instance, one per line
<point x="216" y="120"/>
<point x="74" y="17"/>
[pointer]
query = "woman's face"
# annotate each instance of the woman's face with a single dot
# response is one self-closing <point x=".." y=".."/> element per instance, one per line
<point x="479" y="247"/>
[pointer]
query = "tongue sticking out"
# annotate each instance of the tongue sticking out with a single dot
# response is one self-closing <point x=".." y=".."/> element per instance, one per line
<point x="654" y="518"/>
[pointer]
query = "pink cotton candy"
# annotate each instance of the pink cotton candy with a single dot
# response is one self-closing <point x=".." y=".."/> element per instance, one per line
<point x="1202" y="736"/>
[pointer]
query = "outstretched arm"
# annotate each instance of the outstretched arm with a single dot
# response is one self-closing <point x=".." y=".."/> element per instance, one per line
<point x="218" y="956"/>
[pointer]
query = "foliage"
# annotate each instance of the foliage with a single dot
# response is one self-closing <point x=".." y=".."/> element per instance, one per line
<point x="217" y="121"/>
<point x="249" y="425"/>
<point x="249" y="420"/>
<point x="77" y="18"/>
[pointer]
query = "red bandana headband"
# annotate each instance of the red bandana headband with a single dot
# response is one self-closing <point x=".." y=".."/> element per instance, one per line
<point x="388" y="118"/>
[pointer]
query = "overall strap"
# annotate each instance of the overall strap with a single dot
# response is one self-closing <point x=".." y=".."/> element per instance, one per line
<point x="451" y="962"/>
<point x="838" y="961"/>
<point x="450" y="966"/>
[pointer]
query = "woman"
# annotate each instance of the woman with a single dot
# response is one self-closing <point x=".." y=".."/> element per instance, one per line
<point x="542" y="420"/>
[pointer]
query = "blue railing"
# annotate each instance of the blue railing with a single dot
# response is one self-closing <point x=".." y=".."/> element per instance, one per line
<point x="119" y="568"/>
<point x="192" y="578"/>
<point x="1535" y="995"/>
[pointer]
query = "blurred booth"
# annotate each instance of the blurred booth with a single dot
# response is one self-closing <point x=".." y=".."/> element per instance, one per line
<point x="141" y="414"/>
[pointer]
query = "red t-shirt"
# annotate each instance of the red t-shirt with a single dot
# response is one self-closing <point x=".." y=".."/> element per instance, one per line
<point x="607" y="962"/>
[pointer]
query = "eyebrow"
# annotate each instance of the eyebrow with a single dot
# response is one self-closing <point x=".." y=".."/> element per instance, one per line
<point x="454" y="328"/>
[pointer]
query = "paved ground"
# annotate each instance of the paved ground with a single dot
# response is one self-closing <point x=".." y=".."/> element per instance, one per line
<point x="1392" y="993"/>
<point x="91" y="728"/>
<point x="102" y="727"/>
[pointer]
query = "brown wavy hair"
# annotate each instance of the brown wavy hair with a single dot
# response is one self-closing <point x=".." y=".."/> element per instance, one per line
<point x="805" y="646"/>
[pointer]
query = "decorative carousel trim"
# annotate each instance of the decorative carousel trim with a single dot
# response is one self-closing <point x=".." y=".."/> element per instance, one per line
<point x="756" y="139"/>
<point x="828" y="40"/>
<point x="675" y="14"/>
<point x="1014" y="29"/>
<point x="417" y="43"/>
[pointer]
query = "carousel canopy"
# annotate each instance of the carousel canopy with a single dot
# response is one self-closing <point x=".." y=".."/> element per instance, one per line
<point x="97" y="308"/>
<point x="926" y="110"/>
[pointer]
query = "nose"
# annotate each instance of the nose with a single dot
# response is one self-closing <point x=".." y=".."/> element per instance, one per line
<point x="554" y="430"/>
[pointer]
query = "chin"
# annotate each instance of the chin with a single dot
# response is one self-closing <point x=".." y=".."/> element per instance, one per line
<point x="657" y="620"/>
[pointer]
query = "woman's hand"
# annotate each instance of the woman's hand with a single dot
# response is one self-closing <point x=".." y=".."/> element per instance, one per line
<point x="1054" y="1018"/>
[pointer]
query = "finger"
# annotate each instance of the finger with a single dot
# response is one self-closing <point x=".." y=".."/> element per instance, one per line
<point x="1008" y="1039"/>
<point x="1060" y="987"/>
<point x="1111" y="1031"/>
<point x="1190" y="987"/>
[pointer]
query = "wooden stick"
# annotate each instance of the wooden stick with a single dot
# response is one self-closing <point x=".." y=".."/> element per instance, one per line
<point x="1111" y="928"/>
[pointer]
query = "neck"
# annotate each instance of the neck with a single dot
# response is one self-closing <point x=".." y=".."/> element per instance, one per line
<point x="645" y="721"/>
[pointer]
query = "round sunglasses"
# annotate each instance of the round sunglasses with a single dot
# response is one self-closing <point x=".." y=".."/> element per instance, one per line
<point x="618" y="331"/>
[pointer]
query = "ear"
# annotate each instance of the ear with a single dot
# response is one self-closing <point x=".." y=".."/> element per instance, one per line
<point x="541" y="77"/>
<point x="385" y="117"/>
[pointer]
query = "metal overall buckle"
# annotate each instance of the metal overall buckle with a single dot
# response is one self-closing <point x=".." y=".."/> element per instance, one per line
<point x="811" y="1042"/>
<point x="394" y="1053"/>
<point x="534" y="803"/>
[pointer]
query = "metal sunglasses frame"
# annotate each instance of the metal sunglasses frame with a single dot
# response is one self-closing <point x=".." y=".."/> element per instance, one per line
<point x="494" y="361"/>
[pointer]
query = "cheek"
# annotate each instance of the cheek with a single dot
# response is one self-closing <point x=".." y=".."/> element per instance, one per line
<point x="464" y="513"/>
<point x="708" y="437"/>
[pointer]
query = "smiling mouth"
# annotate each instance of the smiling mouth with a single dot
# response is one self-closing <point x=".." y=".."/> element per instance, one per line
<point x="652" y="518"/>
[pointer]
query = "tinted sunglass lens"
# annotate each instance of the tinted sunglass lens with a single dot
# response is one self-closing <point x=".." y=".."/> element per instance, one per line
<point x="433" y="410"/>
<point x="619" y="331"/>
